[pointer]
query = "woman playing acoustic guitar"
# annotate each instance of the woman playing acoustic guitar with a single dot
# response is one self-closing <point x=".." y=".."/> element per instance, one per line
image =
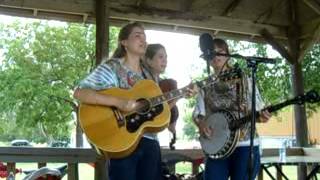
<point x="123" y="70"/>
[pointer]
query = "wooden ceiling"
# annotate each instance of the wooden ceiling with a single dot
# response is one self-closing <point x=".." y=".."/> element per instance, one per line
<point x="238" y="19"/>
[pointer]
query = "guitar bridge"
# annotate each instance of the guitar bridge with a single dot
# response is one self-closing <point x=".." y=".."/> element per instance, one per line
<point x="119" y="117"/>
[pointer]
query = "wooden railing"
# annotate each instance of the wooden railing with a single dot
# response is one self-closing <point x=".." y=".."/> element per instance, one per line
<point x="70" y="156"/>
<point x="295" y="156"/>
<point x="73" y="156"/>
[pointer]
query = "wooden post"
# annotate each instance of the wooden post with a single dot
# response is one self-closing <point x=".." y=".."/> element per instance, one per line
<point x="73" y="171"/>
<point x="102" y="51"/>
<point x="297" y="83"/>
<point x="195" y="168"/>
<point x="11" y="167"/>
<point x="41" y="164"/>
<point x="101" y="169"/>
<point x="102" y="30"/>
<point x="279" y="177"/>
<point x="292" y="56"/>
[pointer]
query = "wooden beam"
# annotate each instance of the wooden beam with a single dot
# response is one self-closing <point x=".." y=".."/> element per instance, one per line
<point x="308" y="28"/>
<point x="314" y="5"/>
<point x="186" y="5"/>
<point x="228" y="11"/>
<point x="138" y="2"/>
<point x="120" y="22"/>
<point x="63" y="155"/>
<point x="85" y="18"/>
<point x="307" y="44"/>
<point x="213" y="22"/>
<point x="267" y="14"/>
<point x="60" y="6"/>
<point x="276" y="45"/>
<point x="29" y="13"/>
<point x="188" y="19"/>
<point x="35" y="12"/>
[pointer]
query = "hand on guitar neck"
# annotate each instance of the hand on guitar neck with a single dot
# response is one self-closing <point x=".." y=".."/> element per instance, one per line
<point x="192" y="90"/>
<point x="264" y="116"/>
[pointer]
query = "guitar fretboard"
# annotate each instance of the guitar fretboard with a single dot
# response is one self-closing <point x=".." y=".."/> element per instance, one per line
<point x="179" y="93"/>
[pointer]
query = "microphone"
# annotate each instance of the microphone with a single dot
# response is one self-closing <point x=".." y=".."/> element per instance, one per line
<point x="206" y="46"/>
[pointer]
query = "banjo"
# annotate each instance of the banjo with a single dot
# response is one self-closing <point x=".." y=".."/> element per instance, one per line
<point x="226" y="127"/>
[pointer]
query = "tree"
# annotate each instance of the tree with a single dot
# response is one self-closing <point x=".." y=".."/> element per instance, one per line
<point x="42" y="65"/>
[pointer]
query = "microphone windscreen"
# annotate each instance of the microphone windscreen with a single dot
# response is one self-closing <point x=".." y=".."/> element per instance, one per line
<point x="206" y="42"/>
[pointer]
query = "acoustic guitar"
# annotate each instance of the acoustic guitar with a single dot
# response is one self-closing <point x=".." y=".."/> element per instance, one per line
<point x="117" y="133"/>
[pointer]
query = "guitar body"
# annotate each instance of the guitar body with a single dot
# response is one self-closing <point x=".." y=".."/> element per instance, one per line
<point x="118" y="137"/>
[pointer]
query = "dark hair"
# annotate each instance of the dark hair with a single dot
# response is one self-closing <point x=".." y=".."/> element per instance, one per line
<point x="220" y="43"/>
<point x="152" y="49"/>
<point x="123" y="35"/>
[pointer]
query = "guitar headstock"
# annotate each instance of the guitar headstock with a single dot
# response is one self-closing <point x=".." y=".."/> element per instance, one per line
<point x="311" y="97"/>
<point x="232" y="74"/>
<point x="228" y="75"/>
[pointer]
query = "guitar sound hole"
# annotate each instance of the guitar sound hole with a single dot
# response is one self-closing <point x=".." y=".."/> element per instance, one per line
<point x="144" y="106"/>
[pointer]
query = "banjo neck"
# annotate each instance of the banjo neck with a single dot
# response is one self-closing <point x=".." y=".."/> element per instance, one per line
<point x="310" y="97"/>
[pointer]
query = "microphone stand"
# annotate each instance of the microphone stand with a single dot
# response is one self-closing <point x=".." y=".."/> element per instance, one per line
<point x="252" y="62"/>
<point x="253" y="65"/>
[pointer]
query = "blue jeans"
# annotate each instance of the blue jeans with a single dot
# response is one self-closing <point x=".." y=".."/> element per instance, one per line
<point x="143" y="164"/>
<point x="235" y="166"/>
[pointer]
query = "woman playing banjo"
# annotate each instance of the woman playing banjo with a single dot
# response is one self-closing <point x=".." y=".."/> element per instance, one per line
<point x="232" y="97"/>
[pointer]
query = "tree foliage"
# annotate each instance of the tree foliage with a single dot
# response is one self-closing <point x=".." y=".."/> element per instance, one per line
<point x="42" y="65"/>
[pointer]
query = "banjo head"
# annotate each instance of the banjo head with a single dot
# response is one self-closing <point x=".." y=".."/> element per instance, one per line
<point x="222" y="141"/>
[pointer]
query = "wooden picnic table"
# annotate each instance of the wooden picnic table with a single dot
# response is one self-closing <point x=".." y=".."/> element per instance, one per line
<point x="309" y="157"/>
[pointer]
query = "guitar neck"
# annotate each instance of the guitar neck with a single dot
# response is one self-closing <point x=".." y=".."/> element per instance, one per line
<point x="174" y="94"/>
<point x="179" y="93"/>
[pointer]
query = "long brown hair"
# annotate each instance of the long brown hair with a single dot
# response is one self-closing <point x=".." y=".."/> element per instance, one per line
<point x="123" y="35"/>
<point x="152" y="50"/>
<point x="220" y="43"/>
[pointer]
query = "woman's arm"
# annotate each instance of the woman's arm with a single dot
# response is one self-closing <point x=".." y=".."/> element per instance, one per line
<point x="90" y="96"/>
